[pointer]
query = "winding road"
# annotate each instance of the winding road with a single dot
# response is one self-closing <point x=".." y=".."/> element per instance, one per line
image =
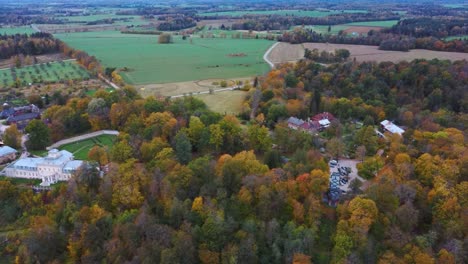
<point x="265" y="56"/>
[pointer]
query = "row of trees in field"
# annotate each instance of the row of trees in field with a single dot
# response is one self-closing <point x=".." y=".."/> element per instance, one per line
<point x="430" y="27"/>
<point x="385" y="41"/>
<point x="172" y="23"/>
<point x="277" y="22"/>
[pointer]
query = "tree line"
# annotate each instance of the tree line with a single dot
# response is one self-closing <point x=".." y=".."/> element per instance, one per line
<point x="277" y="22"/>
<point x="385" y="41"/>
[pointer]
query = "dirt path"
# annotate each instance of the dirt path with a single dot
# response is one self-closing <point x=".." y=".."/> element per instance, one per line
<point x="267" y="53"/>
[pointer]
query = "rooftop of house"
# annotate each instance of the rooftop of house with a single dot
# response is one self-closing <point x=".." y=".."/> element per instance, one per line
<point x="6" y="150"/>
<point x="54" y="158"/>
<point x="23" y="117"/>
<point x="295" y="121"/>
<point x="322" y="116"/>
<point x="392" y="128"/>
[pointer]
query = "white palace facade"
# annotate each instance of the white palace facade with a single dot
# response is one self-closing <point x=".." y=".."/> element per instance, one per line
<point x="56" y="166"/>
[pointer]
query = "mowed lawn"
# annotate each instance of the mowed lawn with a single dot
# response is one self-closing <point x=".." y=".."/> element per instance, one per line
<point x="81" y="148"/>
<point x="298" y="13"/>
<point x="45" y="72"/>
<point x="149" y="62"/>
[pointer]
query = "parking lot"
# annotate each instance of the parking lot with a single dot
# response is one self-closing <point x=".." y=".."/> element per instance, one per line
<point x="346" y="180"/>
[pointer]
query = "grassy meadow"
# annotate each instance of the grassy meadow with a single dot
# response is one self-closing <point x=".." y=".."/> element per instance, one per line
<point x="299" y="13"/>
<point x="463" y="37"/>
<point x="132" y="20"/>
<point x="16" y="30"/>
<point x="323" y="29"/>
<point x="149" y="62"/>
<point x="81" y="148"/>
<point x="46" y="72"/>
<point x="384" y="23"/>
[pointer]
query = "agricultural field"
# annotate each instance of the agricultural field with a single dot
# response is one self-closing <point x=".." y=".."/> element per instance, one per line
<point x="285" y="52"/>
<point x="81" y="148"/>
<point x="16" y="30"/>
<point x="132" y="20"/>
<point x="322" y="29"/>
<point x="299" y="13"/>
<point x="358" y="27"/>
<point x="384" y="23"/>
<point x="47" y="72"/>
<point x="184" y="60"/>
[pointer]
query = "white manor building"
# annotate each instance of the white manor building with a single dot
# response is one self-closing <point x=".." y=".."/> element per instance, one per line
<point x="56" y="166"/>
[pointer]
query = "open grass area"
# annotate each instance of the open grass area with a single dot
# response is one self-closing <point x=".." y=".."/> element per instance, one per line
<point x="122" y="20"/>
<point x="322" y="29"/>
<point x="335" y="29"/>
<point x="81" y="148"/>
<point x="184" y="60"/>
<point x="16" y="30"/>
<point x="298" y="13"/>
<point x="384" y="23"/>
<point x="228" y="102"/>
<point x="40" y="73"/>
<point x="92" y="92"/>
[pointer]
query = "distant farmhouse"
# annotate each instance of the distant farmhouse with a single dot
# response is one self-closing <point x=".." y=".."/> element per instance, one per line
<point x="313" y="125"/>
<point x="7" y="154"/>
<point x="388" y="126"/>
<point x="57" y="166"/>
<point x="21" y="115"/>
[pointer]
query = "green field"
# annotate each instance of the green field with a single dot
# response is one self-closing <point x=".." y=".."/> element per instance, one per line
<point x="385" y="23"/>
<point x="324" y="29"/>
<point x="16" y="30"/>
<point x="456" y="5"/>
<point x="299" y="13"/>
<point x="463" y="37"/>
<point x="149" y="62"/>
<point x="92" y="92"/>
<point x="133" y="20"/>
<point x="46" y="72"/>
<point x="80" y="149"/>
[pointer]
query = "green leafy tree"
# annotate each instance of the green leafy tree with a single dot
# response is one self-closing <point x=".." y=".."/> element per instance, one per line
<point x="183" y="147"/>
<point x="12" y="137"/>
<point x="259" y="138"/>
<point x="38" y="134"/>
<point x="121" y="152"/>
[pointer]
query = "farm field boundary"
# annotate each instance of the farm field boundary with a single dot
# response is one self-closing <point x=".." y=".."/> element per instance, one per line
<point x="285" y="52"/>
